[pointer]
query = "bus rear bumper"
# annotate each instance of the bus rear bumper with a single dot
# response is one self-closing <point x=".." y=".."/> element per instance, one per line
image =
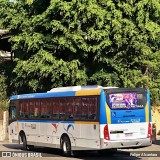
<point x="135" y="143"/>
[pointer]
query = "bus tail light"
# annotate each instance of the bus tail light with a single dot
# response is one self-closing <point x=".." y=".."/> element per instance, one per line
<point x="149" y="130"/>
<point x="106" y="133"/>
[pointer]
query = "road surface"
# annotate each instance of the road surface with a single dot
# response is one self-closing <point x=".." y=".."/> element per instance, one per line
<point x="49" y="153"/>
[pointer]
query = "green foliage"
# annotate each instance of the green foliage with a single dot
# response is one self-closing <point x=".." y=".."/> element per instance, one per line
<point x="3" y="87"/>
<point x="70" y="42"/>
<point x="43" y="71"/>
<point x="3" y="93"/>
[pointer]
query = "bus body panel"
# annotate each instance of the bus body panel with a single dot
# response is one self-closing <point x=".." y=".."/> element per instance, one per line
<point x="49" y="133"/>
<point x="126" y="144"/>
<point x="13" y="131"/>
<point x="126" y="128"/>
<point x="126" y="131"/>
<point x="127" y="116"/>
<point x="129" y="126"/>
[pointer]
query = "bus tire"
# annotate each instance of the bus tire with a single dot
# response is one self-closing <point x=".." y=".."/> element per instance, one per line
<point x="66" y="146"/>
<point x="24" y="142"/>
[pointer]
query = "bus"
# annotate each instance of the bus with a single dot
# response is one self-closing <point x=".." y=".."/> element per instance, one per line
<point x="82" y="118"/>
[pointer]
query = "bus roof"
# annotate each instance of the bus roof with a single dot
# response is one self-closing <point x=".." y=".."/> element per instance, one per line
<point x="75" y="88"/>
<point x="78" y="88"/>
<point x="75" y="91"/>
<point x="63" y="92"/>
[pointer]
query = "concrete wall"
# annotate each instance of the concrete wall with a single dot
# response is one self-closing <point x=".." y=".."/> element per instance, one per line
<point x="156" y="119"/>
<point x="4" y="127"/>
<point x="1" y="122"/>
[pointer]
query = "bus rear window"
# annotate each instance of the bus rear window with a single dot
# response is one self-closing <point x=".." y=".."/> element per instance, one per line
<point x="127" y="100"/>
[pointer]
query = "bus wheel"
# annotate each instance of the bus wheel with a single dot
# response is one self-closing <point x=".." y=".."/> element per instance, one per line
<point x="66" y="146"/>
<point x="24" y="142"/>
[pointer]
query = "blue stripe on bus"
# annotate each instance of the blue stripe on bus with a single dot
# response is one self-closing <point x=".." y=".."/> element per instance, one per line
<point x="128" y="116"/>
<point x="103" y="118"/>
<point x="43" y="95"/>
<point x="44" y="121"/>
<point x="128" y="113"/>
<point x="149" y="106"/>
<point x="13" y="97"/>
<point x="128" y="120"/>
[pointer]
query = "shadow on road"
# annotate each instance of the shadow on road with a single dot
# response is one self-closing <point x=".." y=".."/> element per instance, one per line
<point x="90" y="155"/>
<point x="85" y="155"/>
<point x="156" y="142"/>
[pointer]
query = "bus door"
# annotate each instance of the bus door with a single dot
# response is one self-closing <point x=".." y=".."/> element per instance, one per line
<point x="13" y="125"/>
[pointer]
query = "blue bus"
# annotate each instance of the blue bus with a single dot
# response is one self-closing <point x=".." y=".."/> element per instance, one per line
<point x="82" y="118"/>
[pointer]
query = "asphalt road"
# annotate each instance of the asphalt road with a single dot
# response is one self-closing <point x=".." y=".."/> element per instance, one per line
<point x="49" y="153"/>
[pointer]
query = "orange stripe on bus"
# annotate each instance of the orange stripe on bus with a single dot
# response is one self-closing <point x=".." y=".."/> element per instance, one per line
<point x="88" y="92"/>
<point x="147" y="112"/>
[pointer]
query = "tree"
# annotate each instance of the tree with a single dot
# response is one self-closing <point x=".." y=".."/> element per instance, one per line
<point x="3" y="93"/>
<point x="42" y="71"/>
<point x="109" y="42"/>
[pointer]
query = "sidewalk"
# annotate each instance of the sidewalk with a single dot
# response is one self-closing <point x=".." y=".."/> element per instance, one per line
<point x="4" y="142"/>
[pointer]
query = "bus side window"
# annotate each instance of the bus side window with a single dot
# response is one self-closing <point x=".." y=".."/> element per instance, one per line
<point x="12" y="113"/>
<point x="85" y="108"/>
<point x="62" y="108"/>
<point x="31" y="108"/>
<point x="92" y="108"/>
<point x="69" y="108"/>
<point x="55" y="112"/>
<point x="46" y="109"/>
<point x="49" y="108"/>
<point x="43" y="112"/>
<point x="36" y="108"/>
<point x="12" y="110"/>
<point x="77" y="108"/>
<point x="26" y="110"/>
<point x="21" y="110"/>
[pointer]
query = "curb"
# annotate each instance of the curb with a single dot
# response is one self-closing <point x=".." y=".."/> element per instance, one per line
<point x="4" y="142"/>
